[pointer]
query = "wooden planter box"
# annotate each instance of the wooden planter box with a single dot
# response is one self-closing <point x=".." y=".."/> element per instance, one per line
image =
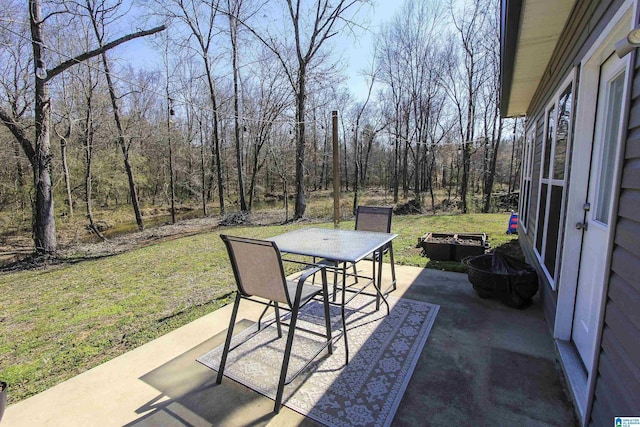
<point x="470" y="244"/>
<point x="452" y="246"/>
<point x="438" y="246"/>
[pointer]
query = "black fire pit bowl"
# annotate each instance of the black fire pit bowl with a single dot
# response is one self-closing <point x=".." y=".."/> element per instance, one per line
<point x="508" y="279"/>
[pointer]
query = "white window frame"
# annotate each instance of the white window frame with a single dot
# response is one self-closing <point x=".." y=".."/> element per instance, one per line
<point x="551" y="182"/>
<point x="527" y="176"/>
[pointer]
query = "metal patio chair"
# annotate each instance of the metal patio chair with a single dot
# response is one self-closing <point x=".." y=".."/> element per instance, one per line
<point x="378" y="219"/>
<point x="260" y="277"/>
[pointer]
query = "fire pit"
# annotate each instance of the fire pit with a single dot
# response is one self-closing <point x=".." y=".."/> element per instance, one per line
<point x="512" y="281"/>
<point x="452" y="246"/>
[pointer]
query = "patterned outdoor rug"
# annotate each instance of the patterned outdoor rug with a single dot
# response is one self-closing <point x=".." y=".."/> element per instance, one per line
<point x="383" y="353"/>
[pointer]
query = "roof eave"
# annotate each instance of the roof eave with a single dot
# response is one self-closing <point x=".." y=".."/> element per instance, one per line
<point x="509" y="28"/>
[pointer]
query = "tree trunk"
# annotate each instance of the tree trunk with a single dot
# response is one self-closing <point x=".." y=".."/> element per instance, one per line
<point x="430" y="183"/>
<point x="44" y="222"/>
<point x="172" y="185"/>
<point x="133" y="191"/>
<point x="301" y="203"/>
<point x="203" y="175"/>
<point x="396" y="160"/>
<point x="493" y="159"/>
<point x="417" y="181"/>
<point x="216" y="137"/>
<point x="116" y="116"/>
<point x="65" y="172"/>
<point x="233" y="33"/>
<point x="356" y="181"/>
<point x="345" y="161"/>
<point x="19" y="176"/>
<point x="405" y="170"/>
<point x="88" y="152"/>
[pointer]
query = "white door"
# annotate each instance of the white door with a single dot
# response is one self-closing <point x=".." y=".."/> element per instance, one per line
<point x="599" y="206"/>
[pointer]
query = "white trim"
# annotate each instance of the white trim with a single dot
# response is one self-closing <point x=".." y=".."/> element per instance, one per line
<point x="527" y="175"/>
<point x="620" y="69"/>
<point x="543" y="145"/>
<point x="550" y="182"/>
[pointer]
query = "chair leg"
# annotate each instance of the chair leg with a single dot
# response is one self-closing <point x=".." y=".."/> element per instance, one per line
<point x="377" y="280"/>
<point x="285" y="360"/>
<point x="227" y="343"/>
<point x="393" y="266"/>
<point x="379" y="294"/>
<point x="278" y="322"/>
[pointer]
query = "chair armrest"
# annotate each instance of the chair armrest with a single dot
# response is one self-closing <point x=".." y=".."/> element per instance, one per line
<point x="310" y="272"/>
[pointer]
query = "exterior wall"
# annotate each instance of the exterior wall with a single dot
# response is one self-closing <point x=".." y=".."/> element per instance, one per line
<point x="617" y="384"/>
<point x="617" y="390"/>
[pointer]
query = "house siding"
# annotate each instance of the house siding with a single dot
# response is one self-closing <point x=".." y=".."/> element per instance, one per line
<point x="617" y="391"/>
<point x="617" y="384"/>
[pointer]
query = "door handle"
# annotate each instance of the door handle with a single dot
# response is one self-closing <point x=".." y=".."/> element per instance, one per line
<point x="582" y="225"/>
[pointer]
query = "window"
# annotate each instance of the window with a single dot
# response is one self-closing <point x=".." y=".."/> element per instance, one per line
<point x="527" y="169"/>
<point x="608" y="156"/>
<point x="555" y="149"/>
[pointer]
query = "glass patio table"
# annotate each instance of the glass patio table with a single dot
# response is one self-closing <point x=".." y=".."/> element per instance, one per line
<point x="340" y="248"/>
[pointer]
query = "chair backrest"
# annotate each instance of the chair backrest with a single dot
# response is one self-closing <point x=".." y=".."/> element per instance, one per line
<point x="257" y="267"/>
<point x="374" y="218"/>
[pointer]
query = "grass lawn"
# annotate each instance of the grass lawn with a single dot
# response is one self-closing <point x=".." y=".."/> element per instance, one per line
<point x="61" y="321"/>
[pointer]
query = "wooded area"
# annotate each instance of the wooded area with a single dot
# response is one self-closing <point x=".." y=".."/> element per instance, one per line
<point x="240" y="111"/>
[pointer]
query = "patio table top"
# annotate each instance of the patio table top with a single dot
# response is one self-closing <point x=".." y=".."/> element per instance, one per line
<point x="334" y="244"/>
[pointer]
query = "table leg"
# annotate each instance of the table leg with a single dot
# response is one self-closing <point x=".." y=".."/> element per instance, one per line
<point x="342" y="307"/>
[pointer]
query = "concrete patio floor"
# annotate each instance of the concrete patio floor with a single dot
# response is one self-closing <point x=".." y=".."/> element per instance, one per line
<point x="483" y="364"/>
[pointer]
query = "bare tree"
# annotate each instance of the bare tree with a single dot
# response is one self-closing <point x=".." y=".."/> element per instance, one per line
<point x="466" y="76"/>
<point x="38" y="151"/>
<point x="494" y="123"/>
<point x="199" y="17"/>
<point x="359" y="174"/>
<point x="411" y="64"/>
<point x="170" y="112"/>
<point x="100" y="14"/>
<point x="322" y="19"/>
<point x="235" y="13"/>
<point x="89" y="84"/>
<point x="270" y="98"/>
<point x="195" y="105"/>
<point x="16" y="86"/>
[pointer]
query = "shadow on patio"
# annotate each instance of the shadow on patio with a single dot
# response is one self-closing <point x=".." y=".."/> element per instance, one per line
<point x="483" y="364"/>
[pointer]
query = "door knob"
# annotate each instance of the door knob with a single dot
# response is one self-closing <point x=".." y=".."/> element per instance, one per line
<point x="582" y="225"/>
